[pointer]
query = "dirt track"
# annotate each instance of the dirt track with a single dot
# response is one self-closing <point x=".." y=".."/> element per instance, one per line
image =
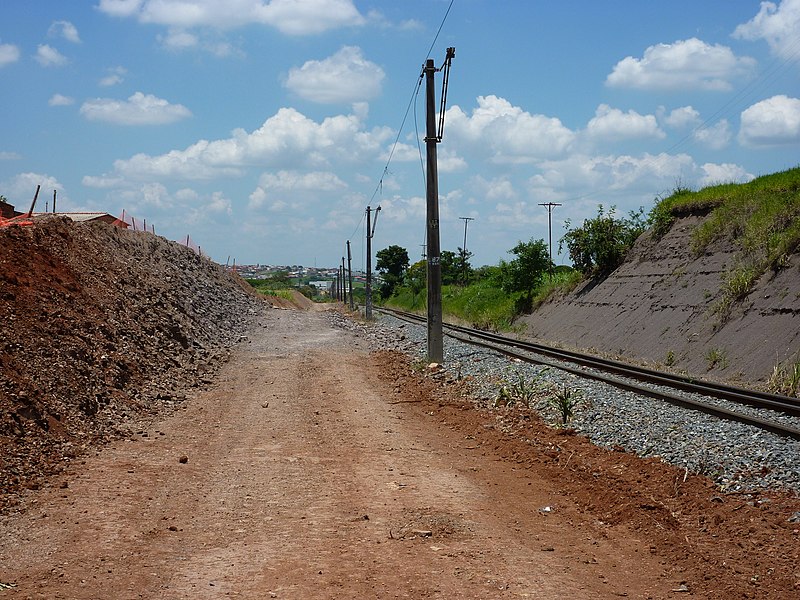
<point x="314" y="469"/>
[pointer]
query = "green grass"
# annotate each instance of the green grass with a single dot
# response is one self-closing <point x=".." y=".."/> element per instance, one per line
<point x="484" y="304"/>
<point x="761" y="218"/>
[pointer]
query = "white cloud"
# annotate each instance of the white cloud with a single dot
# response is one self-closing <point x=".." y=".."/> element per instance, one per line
<point x="345" y="77"/>
<point x="21" y="188"/>
<point x="681" y="118"/>
<point x="685" y="64"/>
<point x="66" y="30"/>
<point x="9" y="156"/>
<point x="778" y="24"/>
<point x="219" y="204"/>
<point x="771" y="122"/>
<point x="116" y="75"/>
<point x="9" y="54"/>
<point x="59" y="100"/>
<point x="47" y="56"/>
<point x="716" y="136"/>
<point x="179" y="39"/>
<point x="139" y="109"/>
<point x="714" y="174"/>
<point x="186" y="195"/>
<point x="507" y="133"/>
<point x="611" y="124"/>
<point x="287" y="139"/>
<point x="292" y="17"/>
<point x="613" y="173"/>
<point x="294" y="180"/>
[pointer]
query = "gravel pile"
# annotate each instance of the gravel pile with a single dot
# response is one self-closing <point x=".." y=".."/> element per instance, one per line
<point x="737" y="457"/>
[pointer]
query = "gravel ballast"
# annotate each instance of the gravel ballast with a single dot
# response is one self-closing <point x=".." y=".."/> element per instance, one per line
<point x="737" y="457"/>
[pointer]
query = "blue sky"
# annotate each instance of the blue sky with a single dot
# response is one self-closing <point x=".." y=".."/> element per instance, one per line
<point x="263" y="128"/>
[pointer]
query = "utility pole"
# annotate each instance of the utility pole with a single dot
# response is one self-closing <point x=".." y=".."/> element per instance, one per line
<point x="464" y="249"/>
<point x="344" y="284"/>
<point x="370" y="233"/>
<point x="550" y="206"/>
<point x="424" y="255"/>
<point x="350" y="274"/>
<point x="433" y="137"/>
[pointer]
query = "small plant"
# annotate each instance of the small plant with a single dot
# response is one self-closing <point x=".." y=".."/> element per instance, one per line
<point x="519" y="390"/>
<point x="565" y="400"/>
<point x="716" y="357"/>
<point x="670" y="360"/>
<point x="785" y="379"/>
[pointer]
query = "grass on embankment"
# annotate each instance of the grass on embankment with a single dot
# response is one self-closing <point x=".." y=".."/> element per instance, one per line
<point x="761" y="217"/>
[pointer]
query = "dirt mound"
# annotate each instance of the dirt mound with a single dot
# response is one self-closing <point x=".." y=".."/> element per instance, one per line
<point x="100" y="327"/>
<point x="297" y="302"/>
<point x="658" y="307"/>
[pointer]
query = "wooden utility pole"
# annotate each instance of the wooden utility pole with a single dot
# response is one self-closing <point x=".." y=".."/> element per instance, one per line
<point x="433" y="137"/>
<point x="370" y="233"/>
<point x="35" y="197"/>
<point x="350" y="274"/>
<point x="550" y="206"/>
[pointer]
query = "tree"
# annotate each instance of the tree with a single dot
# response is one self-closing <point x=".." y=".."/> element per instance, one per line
<point x="599" y="245"/>
<point x="416" y="279"/>
<point x="524" y="273"/>
<point x="392" y="264"/>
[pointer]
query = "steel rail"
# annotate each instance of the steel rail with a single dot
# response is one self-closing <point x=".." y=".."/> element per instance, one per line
<point x="774" y="402"/>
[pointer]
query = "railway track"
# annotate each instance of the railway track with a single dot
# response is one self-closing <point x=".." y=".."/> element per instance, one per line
<point x="676" y="389"/>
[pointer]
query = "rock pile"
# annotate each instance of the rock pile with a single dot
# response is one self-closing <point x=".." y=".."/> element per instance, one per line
<point x="99" y="328"/>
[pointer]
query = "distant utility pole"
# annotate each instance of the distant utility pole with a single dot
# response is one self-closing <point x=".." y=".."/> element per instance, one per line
<point x="550" y="206"/>
<point x="464" y="249"/>
<point x="434" y="136"/>
<point x="368" y="286"/>
<point x="350" y="274"/>
<point x="344" y="285"/>
<point x="424" y="256"/>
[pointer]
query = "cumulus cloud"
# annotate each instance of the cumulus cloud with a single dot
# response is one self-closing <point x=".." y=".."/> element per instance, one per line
<point x="300" y="184"/>
<point x="685" y="64"/>
<point x="714" y="174"/>
<point x="681" y="118"/>
<point x="116" y="75"/>
<point x="345" y="77"/>
<point x="66" y="30"/>
<point x="292" y="17"/>
<point x="507" y="133"/>
<point x="771" y="122"/>
<point x="21" y="188"/>
<point x="611" y="124"/>
<point x="139" y="109"/>
<point x="716" y="136"/>
<point x="778" y="24"/>
<point x="9" y="54"/>
<point x="60" y="100"/>
<point x="47" y="56"/>
<point x="288" y="138"/>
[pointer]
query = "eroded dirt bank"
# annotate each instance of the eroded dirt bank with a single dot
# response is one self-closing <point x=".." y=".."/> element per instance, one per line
<point x="658" y="307"/>
<point x="315" y="469"/>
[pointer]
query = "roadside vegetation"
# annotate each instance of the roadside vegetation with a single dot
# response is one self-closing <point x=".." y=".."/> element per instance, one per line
<point x="762" y="218"/>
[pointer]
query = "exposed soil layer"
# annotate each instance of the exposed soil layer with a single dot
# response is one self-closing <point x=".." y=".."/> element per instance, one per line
<point x="143" y="458"/>
<point x="658" y="308"/>
<point x="100" y="327"/>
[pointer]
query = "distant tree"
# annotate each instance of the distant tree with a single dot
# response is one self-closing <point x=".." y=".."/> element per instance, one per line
<point x="599" y="245"/>
<point x="465" y="269"/>
<point x="449" y="262"/>
<point x="524" y="273"/>
<point x="416" y="279"/>
<point x="392" y="263"/>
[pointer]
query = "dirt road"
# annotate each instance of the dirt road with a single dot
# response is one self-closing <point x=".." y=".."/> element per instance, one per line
<point x="309" y="471"/>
